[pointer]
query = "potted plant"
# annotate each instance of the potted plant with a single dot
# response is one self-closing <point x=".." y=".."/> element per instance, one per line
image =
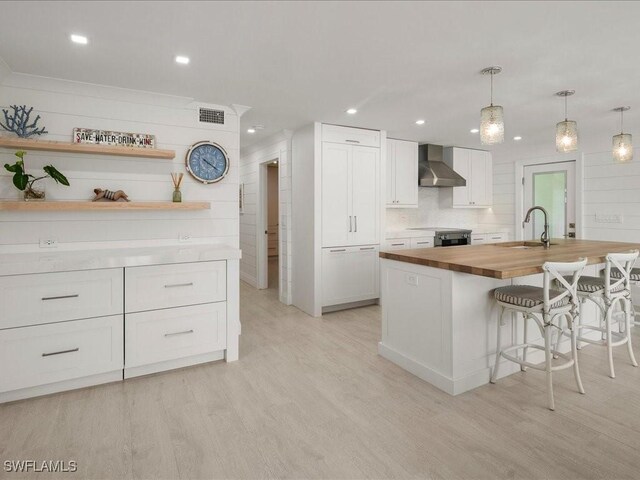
<point x="25" y="182"/>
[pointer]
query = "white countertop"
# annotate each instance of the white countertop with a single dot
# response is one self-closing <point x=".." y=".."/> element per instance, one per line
<point x="391" y="235"/>
<point x="68" y="260"/>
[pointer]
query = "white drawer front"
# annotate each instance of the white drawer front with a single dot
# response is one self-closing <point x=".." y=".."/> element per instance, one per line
<point x="422" y="242"/>
<point x="478" y="239"/>
<point x="54" y="297"/>
<point x="391" y="245"/>
<point x="350" y="136"/>
<point x="161" y="335"/>
<point x="44" y="354"/>
<point x="165" y="286"/>
<point x="496" y="237"/>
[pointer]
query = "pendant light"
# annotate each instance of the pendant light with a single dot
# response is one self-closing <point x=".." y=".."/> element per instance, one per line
<point x="567" y="131"/>
<point x="491" y="117"/>
<point x="622" y="145"/>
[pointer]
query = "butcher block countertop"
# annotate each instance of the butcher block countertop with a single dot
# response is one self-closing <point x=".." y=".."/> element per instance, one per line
<point x="509" y="259"/>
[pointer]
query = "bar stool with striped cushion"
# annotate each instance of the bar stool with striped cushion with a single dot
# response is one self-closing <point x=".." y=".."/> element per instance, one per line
<point x="546" y="307"/>
<point x="635" y="279"/>
<point x="606" y="292"/>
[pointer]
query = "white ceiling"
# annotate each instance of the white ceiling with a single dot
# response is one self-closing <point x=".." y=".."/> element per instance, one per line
<point x="295" y="62"/>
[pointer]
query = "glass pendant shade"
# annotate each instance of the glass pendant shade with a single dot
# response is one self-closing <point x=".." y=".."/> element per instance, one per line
<point x="567" y="136"/>
<point x="492" y="125"/>
<point x="622" y="148"/>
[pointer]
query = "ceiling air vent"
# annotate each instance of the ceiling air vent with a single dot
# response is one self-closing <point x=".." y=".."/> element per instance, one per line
<point x="209" y="115"/>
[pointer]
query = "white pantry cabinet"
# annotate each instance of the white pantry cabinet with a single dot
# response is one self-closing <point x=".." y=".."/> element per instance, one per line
<point x="350" y="189"/>
<point x="476" y="166"/>
<point x="402" y="174"/>
<point x="349" y="274"/>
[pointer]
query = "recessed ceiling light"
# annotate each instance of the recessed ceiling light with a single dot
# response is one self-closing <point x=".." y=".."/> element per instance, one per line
<point x="81" y="39"/>
<point x="419" y="122"/>
<point x="352" y="111"/>
<point x="517" y="138"/>
<point x="251" y="130"/>
<point x="474" y="130"/>
<point x="182" y="60"/>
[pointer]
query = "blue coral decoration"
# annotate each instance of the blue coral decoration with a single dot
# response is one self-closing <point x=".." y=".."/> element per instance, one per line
<point x="18" y="122"/>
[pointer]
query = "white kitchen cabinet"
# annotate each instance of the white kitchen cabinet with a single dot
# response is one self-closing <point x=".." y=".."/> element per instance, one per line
<point x="422" y="242"/>
<point x="402" y="174"/>
<point x="483" y="238"/>
<point x="397" y="244"/>
<point x="476" y="166"/>
<point x="350" y="193"/>
<point x="349" y="274"/>
<point x="351" y="135"/>
<point x="478" y="239"/>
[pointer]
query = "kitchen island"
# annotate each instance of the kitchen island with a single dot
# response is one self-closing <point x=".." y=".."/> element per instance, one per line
<point x="439" y="317"/>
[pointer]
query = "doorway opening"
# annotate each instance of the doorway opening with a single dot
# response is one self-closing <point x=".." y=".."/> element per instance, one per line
<point x="268" y="259"/>
<point x="554" y="186"/>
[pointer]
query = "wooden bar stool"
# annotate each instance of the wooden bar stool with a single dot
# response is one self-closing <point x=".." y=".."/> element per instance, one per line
<point x="546" y="307"/>
<point x="606" y="292"/>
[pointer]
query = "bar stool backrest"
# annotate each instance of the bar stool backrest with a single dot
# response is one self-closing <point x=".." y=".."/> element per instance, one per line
<point x="624" y="263"/>
<point x="556" y="271"/>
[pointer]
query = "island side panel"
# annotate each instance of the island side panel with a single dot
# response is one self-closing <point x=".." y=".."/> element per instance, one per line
<point x="416" y="320"/>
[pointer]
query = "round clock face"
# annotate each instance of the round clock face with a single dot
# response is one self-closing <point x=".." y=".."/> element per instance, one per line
<point x="207" y="162"/>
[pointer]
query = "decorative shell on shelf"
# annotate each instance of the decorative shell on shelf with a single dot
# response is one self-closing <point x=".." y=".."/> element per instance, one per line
<point x="18" y="122"/>
<point x="110" y="195"/>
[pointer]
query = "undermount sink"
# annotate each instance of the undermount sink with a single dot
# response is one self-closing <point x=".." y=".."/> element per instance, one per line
<point x="523" y="245"/>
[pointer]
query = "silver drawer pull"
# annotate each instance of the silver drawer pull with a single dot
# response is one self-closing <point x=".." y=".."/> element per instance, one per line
<point x="423" y="243"/>
<point x="367" y="248"/>
<point x="76" y="295"/>
<point x="190" y="284"/>
<point x="397" y="244"/>
<point x="495" y="238"/>
<point x="60" y="352"/>
<point x="178" y="333"/>
<point x="352" y="141"/>
<point x="339" y="250"/>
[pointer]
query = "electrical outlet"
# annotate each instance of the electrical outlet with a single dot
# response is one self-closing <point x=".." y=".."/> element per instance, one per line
<point x="412" y="279"/>
<point x="184" y="237"/>
<point x="48" y="243"/>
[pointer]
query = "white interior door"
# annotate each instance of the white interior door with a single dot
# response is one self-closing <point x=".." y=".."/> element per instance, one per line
<point x="364" y="186"/>
<point x="552" y="186"/>
<point x="336" y="198"/>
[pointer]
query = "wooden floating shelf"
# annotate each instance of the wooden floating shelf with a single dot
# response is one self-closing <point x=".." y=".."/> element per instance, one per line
<point x="67" y="147"/>
<point x="61" y="206"/>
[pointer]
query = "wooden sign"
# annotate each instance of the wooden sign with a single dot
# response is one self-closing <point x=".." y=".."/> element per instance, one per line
<point x="106" y="137"/>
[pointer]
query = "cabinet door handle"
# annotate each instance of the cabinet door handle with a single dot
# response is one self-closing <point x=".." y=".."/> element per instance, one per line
<point x="75" y="295"/>
<point x="496" y="238"/>
<point x="423" y="243"/>
<point x="350" y="228"/>
<point x="355" y="223"/>
<point x="190" y="284"/>
<point x="397" y="244"/>
<point x="61" y="352"/>
<point x="178" y="333"/>
<point x="367" y="248"/>
<point x="352" y="141"/>
<point x="338" y="250"/>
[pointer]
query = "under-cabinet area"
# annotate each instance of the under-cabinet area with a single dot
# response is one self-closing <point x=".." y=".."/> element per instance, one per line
<point x="158" y="310"/>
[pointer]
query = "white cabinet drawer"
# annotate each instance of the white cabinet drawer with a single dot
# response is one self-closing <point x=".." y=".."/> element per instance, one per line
<point x="496" y="237"/>
<point x="478" y="239"/>
<point x="164" y="286"/>
<point x="400" y="244"/>
<point x="55" y="297"/>
<point x="350" y="136"/>
<point x="349" y="274"/>
<point x="422" y="242"/>
<point x="44" y="354"/>
<point x="156" y="336"/>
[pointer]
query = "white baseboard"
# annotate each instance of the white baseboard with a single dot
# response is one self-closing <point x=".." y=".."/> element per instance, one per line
<point x="132" y="372"/>
<point x="115" y="376"/>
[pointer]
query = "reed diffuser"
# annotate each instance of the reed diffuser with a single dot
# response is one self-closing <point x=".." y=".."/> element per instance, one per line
<point x="177" y="180"/>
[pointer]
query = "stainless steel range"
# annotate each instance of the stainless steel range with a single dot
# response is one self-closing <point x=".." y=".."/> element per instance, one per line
<point x="449" y="237"/>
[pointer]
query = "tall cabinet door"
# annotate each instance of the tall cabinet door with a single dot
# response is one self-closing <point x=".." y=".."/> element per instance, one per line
<point x="337" y="224"/>
<point x="391" y="172"/>
<point x="462" y="165"/>
<point x="365" y="174"/>
<point x="482" y="178"/>
<point x="406" y="173"/>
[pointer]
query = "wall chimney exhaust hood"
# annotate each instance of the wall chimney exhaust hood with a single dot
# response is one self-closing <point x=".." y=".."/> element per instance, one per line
<point x="433" y="172"/>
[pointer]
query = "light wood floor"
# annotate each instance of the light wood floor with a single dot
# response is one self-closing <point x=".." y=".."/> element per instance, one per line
<point x="310" y="398"/>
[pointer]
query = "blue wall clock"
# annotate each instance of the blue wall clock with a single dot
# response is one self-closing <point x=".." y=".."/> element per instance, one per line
<point x="207" y="162"/>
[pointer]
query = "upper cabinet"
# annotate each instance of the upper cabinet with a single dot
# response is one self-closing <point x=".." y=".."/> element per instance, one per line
<point x="402" y="174"/>
<point x="350" y="186"/>
<point x="476" y="167"/>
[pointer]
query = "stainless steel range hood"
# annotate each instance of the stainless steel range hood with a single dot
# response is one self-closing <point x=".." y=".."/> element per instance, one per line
<point x="433" y="172"/>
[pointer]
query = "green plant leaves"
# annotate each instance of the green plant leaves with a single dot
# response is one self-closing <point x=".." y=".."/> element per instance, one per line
<point x="56" y="175"/>
<point x="20" y="180"/>
<point x="20" y="154"/>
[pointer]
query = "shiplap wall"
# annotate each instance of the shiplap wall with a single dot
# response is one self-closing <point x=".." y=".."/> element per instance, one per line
<point x="64" y="105"/>
<point x="611" y="189"/>
<point x="502" y="213"/>
<point x="277" y="146"/>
